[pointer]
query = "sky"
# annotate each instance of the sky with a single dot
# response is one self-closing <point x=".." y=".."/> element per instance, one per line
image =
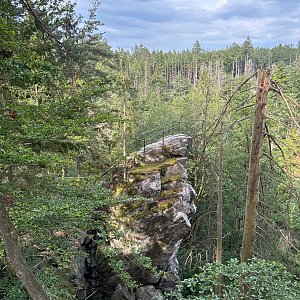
<point x="177" y="24"/>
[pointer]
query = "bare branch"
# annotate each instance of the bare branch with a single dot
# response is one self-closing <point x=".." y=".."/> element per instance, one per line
<point x="223" y="113"/>
<point x="41" y="23"/>
<point x="276" y="88"/>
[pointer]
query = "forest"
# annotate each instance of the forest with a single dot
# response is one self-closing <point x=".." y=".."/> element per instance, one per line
<point x="74" y="112"/>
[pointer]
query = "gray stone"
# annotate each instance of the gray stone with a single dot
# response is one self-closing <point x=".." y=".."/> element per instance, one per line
<point x="173" y="145"/>
<point x="150" y="187"/>
<point x="122" y="293"/>
<point x="166" y="222"/>
<point x="172" y="185"/>
<point x="177" y="170"/>
<point x="80" y="280"/>
<point x="153" y="227"/>
<point x="148" y="292"/>
<point x="186" y="200"/>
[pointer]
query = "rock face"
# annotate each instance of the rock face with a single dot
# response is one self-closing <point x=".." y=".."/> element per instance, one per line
<point x="154" y="225"/>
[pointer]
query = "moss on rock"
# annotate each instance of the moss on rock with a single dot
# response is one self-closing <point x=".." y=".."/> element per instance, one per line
<point x="170" y="193"/>
<point x="168" y="179"/>
<point x="164" y="205"/>
<point x="153" y="167"/>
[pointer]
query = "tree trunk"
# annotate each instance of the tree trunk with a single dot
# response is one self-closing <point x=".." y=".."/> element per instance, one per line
<point x="16" y="257"/>
<point x="254" y="166"/>
<point x="218" y="287"/>
<point x="146" y="78"/>
<point x="195" y="79"/>
<point x="220" y="207"/>
<point x="124" y="138"/>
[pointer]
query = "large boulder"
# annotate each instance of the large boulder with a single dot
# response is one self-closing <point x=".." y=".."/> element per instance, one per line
<point x="154" y="224"/>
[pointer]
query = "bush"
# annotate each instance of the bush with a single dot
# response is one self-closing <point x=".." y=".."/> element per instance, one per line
<point x="57" y="287"/>
<point x="265" y="279"/>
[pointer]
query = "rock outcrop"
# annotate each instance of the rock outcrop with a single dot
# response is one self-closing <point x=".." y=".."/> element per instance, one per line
<point x="153" y="225"/>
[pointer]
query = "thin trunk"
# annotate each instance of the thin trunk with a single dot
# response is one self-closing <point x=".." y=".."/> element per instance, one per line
<point x="124" y="138"/>
<point x="15" y="256"/>
<point x="168" y="77"/>
<point x="219" y="74"/>
<point x="78" y="165"/>
<point x="146" y="77"/>
<point x="220" y="209"/>
<point x="254" y="166"/>
<point x="10" y="174"/>
<point x="237" y="68"/>
<point x="218" y="287"/>
<point x="195" y="80"/>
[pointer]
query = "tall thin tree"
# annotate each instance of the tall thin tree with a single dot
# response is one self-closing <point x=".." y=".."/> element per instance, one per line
<point x="255" y="165"/>
<point x="219" y="231"/>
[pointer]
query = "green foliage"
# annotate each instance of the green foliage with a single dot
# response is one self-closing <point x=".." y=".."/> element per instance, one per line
<point x="119" y="267"/>
<point x="11" y="288"/>
<point x="50" y="94"/>
<point x="266" y="280"/>
<point x="118" y="260"/>
<point x="54" y="283"/>
<point x="295" y="216"/>
<point x="70" y="109"/>
<point x="56" y="286"/>
<point x="55" y="222"/>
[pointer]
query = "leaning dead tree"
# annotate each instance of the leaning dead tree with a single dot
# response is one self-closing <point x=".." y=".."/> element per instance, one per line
<point x="252" y="197"/>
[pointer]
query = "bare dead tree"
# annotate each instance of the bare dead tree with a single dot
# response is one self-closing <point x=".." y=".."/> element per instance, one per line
<point x="252" y="197"/>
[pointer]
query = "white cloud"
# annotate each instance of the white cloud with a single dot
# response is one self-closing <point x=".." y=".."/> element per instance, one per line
<point x="221" y="4"/>
<point x="177" y="24"/>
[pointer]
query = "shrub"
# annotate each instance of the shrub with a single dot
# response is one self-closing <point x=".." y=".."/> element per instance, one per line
<point x="265" y="280"/>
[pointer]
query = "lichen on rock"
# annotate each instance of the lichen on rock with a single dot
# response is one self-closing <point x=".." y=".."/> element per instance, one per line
<point x="155" y="224"/>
